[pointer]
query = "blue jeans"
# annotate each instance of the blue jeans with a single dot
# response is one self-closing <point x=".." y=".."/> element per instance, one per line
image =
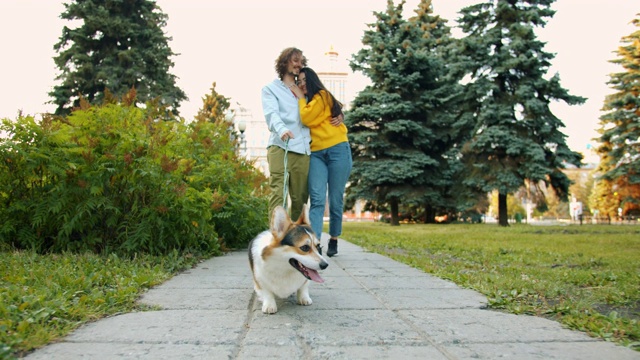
<point x="329" y="168"/>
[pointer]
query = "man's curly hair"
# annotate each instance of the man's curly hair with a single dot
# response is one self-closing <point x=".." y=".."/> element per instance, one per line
<point x="283" y="60"/>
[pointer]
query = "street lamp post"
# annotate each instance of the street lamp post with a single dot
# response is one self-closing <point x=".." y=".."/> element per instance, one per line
<point x="229" y="116"/>
<point x="242" y="126"/>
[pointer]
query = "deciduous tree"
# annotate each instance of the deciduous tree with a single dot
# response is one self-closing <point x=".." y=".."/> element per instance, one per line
<point x="619" y="148"/>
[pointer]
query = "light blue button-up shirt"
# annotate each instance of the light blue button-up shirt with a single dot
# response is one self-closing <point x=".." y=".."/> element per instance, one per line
<point x="280" y="107"/>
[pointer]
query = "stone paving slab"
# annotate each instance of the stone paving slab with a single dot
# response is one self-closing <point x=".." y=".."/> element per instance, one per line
<point x="209" y="281"/>
<point x="106" y="351"/>
<point x="485" y="326"/>
<point x="390" y="282"/>
<point x="166" y="326"/>
<point x="391" y="352"/>
<point x="335" y="328"/>
<point x="419" y="299"/>
<point x="541" y="351"/>
<point x="203" y="299"/>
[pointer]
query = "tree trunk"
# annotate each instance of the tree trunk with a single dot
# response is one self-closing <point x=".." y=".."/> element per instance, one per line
<point x="429" y="214"/>
<point x="395" y="220"/>
<point x="503" y="217"/>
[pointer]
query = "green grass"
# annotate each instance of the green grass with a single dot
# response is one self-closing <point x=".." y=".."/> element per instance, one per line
<point x="44" y="297"/>
<point x="585" y="277"/>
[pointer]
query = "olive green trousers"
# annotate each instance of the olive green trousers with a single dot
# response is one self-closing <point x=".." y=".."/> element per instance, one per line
<point x="298" y="191"/>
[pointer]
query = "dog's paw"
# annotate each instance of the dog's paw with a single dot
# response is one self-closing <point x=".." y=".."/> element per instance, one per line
<point x="269" y="307"/>
<point x="305" y="300"/>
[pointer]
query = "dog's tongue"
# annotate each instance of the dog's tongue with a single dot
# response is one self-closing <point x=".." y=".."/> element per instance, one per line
<point x="314" y="275"/>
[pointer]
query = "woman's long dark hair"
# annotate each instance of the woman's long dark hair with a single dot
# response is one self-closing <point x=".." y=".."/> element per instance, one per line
<point x="314" y="85"/>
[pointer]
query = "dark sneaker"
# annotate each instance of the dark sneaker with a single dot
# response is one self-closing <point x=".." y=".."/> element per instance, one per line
<point x="333" y="247"/>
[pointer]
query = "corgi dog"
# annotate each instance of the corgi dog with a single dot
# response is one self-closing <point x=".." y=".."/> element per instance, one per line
<point x="284" y="259"/>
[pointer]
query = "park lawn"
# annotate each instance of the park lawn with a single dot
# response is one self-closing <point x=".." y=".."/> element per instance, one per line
<point x="586" y="277"/>
<point x="45" y="297"/>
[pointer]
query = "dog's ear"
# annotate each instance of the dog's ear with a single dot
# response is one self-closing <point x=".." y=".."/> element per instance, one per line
<point x="304" y="216"/>
<point x="280" y="222"/>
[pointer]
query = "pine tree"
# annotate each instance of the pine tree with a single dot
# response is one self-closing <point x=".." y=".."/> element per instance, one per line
<point x="119" y="45"/>
<point x="399" y="133"/>
<point x="517" y="138"/>
<point x="619" y="148"/>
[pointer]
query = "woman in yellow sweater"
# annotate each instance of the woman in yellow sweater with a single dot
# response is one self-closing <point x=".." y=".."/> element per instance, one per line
<point x="330" y="164"/>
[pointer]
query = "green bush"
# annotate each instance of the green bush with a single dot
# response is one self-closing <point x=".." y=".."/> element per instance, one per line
<point x="114" y="178"/>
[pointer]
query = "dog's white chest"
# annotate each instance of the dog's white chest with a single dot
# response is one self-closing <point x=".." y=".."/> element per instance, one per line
<point x="279" y="283"/>
<point x="274" y="273"/>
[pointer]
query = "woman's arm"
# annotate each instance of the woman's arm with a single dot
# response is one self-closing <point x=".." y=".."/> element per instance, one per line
<point x="313" y="113"/>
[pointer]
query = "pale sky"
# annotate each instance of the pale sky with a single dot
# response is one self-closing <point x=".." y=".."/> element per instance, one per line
<point x="235" y="43"/>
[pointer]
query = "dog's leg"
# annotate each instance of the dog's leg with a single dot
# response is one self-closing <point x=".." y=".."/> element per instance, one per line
<point x="269" y="305"/>
<point x="303" y="294"/>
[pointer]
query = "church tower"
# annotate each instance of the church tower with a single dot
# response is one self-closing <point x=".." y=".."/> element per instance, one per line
<point x="333" y="78"/>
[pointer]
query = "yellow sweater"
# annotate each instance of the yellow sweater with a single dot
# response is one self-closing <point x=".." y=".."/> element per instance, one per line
<point x="316" y="115"/>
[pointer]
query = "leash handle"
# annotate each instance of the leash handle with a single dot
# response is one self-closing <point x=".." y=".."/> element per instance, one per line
<point x="286" y="175"/>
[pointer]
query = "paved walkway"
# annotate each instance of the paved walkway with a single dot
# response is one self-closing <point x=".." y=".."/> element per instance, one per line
<point x="370" y="307"/>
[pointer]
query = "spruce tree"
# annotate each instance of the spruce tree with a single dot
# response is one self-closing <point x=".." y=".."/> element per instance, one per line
<point x="517" y="138"/>
<point x="117" y="46"/>
<point x="619" y="148"/>
<point x="398" y="130"/>
<point x="438" y="111"/>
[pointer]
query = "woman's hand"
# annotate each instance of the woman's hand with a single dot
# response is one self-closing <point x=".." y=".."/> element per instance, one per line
<point x="336" y="121"/>
<point x="296" y="90"/>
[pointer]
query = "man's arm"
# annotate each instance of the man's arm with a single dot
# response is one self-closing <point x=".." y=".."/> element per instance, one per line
<point x="272" y="114"/>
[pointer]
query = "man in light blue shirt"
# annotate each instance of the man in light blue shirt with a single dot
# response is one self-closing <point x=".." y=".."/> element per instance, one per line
<point x="280" y="107"/>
